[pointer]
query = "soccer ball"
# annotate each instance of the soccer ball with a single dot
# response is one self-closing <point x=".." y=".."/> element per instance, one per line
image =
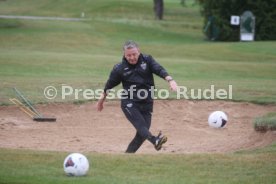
<point x="217" y="119"/>
<point x="76" y="164"/>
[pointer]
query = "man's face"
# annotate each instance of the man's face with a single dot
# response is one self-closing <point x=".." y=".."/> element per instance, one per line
<point x="132" y="55"/>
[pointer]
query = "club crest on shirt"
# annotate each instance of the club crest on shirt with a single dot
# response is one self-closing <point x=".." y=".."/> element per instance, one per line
<point x="143" y="65"/>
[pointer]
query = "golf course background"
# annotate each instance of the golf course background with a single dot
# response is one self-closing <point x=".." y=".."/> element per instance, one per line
<point x="35" y="54"/>
<point x="39" y="53"/>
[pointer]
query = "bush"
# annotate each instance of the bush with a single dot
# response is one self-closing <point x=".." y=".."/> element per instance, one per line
<point x="221" y="11"/>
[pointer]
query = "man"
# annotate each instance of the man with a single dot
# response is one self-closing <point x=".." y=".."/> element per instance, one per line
<point x="136" y="74"/>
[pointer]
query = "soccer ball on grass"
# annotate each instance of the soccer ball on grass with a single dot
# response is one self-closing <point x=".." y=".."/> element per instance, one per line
<point x="76" y="164"/>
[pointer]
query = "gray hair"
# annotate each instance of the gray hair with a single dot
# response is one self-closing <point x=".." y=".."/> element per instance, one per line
<point x="130" y="44"/>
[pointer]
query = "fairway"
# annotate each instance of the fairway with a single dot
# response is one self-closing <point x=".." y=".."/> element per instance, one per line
<point x="38" y="53"/>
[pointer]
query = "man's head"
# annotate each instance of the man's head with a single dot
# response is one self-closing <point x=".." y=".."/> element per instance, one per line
<point x="131" y="52"/>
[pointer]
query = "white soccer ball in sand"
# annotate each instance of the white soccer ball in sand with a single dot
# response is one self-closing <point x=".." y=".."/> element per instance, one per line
<point x="217" y="119"/>
<point x="76" y="164"/>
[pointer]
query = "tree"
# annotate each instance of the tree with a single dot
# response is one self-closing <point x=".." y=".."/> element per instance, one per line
<point x="217" y="18"/>
<point x="158" y="8"/>
<point x="182" y="2"/>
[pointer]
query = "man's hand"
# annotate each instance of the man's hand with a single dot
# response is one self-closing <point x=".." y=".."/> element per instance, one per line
<point x="172" y="83"/>
<point x="100" y="105"/>
<point x="100" y="102"/>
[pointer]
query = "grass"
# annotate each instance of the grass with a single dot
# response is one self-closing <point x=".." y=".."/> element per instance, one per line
<point x="256" y="166"/>
<point x="36" y="54"/>
<point x="266" y="122"/>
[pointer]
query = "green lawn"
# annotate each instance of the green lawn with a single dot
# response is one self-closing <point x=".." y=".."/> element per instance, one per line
<point x="247" y="167"/>
<point x="36" y="54"/>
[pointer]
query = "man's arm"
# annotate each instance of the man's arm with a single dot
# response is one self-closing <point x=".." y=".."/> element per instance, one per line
<point x="101" y="101"/>
<point x="114" y="80"/>
<point x="156" y="68"/>
<point x="160" y="71"/>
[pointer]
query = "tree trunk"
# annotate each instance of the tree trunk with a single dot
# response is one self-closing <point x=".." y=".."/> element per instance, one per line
<point x="182" y="2"/>
<point x="158" y="9"/>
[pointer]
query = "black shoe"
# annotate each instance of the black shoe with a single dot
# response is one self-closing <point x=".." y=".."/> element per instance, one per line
<point x="160" y="140"/>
